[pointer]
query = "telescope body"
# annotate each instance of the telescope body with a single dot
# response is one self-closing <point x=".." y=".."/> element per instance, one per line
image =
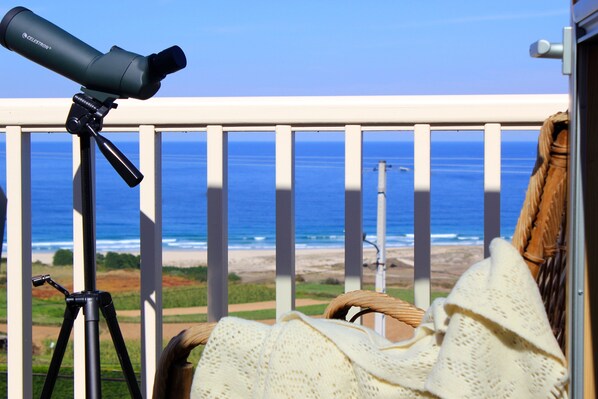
<point x="119" y="72"/>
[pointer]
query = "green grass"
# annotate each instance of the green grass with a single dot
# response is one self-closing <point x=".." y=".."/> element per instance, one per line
<point x="265" y="314"/>
<point x="61" y="274"/>
<point x="113" y="384"/>
<point x="44" y="311"/>
<point x="197" y="273"/>
<point x="108" y="354"/>
<point x="197" y="295"/>
<point x="329" y="291"/>
<point x="262" y="314"/>
<point x="50" y="311"/>
<point x="318" y="291"/>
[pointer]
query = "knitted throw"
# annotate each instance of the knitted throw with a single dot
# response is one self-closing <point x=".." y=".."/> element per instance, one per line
<point x="490" y="338"/>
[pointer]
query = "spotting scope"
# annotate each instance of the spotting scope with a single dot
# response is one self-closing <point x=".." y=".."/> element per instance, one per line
<point x="118" y="73"/>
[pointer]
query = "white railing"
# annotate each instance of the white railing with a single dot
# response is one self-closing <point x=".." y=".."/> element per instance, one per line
<point x="19" y="118"/>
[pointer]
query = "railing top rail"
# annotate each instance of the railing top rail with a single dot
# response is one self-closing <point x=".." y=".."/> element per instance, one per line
<point x="463" y="110"/>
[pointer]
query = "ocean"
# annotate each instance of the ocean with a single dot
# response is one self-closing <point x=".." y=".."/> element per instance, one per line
<point x="456" y="193"/>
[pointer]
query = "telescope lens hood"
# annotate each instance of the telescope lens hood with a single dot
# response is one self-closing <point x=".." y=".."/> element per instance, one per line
<point x="6" y="21"/>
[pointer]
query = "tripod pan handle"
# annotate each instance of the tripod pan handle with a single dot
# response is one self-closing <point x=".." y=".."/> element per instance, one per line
<point x="125" y="168"/>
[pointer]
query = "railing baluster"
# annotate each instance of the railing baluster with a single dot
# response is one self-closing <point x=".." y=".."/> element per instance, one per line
<point x="150" y="204"/>
<point x="492" y="165"/>
<point x="217" y="169"/>
<point x="421" y="228"/>
<point x="18" y="273"/>
<point x="353" y="207"/>
<point x="285" y="219"/>
<point x="79" y="262"/>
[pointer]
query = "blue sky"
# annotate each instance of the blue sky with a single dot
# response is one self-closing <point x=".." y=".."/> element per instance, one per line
<point x="308" y="47"/>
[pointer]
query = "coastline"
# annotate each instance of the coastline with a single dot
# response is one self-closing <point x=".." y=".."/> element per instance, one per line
<point x="448" y="262"/>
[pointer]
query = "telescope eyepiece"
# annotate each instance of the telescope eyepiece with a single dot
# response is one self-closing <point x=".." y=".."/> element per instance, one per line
<point x="166" y="62"/>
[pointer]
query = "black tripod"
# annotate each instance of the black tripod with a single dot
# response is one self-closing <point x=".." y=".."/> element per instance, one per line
<point x="85" y="119"/>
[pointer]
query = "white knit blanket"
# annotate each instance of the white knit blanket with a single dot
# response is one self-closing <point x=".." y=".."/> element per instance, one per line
<point x="490" y="338"/>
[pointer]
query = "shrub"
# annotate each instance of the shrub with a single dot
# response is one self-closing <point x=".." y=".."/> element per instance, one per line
<point x="114" y="260"/>
<point x="331" y="281"/>
<point x="100" y="259"/>
<point x="198" y="273"/>
<point x="63" y="257"/>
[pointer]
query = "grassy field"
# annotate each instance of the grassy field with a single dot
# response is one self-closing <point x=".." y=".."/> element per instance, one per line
<point x="113" y="384"/>
<point x="48" y="310"/>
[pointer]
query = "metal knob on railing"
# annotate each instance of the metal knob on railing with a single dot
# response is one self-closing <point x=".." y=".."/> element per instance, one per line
<point x="564" y="51"/>
<point x="544" y="49"/>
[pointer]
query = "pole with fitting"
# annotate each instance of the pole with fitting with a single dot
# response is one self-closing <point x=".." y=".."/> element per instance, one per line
<point x="379" y="320"/>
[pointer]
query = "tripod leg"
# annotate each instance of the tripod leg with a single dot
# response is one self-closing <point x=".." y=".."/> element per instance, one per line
<point x="70" y="314"/>
<point x="93" y="382"/>
<point x="109" y="313"/>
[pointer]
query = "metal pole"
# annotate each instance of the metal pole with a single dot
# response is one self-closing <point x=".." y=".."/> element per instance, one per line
<point x="89" y="240"/>
<point x="379" y="321"/>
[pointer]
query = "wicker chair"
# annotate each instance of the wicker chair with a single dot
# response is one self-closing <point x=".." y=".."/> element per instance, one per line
<point x="539" y="237"/>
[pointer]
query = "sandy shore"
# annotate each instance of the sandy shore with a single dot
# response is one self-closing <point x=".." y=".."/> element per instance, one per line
<point x="448" y="262"/>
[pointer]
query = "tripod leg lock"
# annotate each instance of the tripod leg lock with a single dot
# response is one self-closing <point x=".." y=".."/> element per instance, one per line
<point x="107" y="306"/>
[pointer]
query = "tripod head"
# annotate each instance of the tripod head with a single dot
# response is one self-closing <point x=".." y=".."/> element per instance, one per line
<point x="86" y="117"/>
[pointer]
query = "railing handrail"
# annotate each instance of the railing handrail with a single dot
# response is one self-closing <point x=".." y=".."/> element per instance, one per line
<point x="196" y="112"/>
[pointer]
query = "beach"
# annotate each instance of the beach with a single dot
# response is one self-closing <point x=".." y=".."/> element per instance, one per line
<point x="258" y="265"/>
